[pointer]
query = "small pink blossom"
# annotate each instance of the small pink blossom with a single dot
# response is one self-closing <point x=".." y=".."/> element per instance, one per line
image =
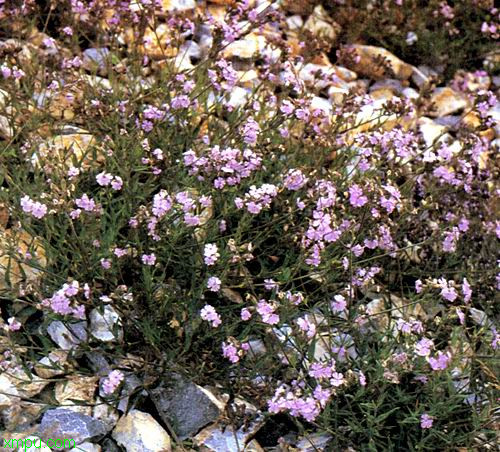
<point x="230" y="352"/>
<point x="209" y="314"/>
<point x="214" y="284"/>
<point x="266" y="310"/>
<point x="245" y="314"/>
<point x="426" y="421"/>
<point x="13" y="324"/>
<point x="423" y="347"/>
<point x="112" y="381"/>
<point x="148" y="259"/>
<point x="210" y="254"/>
<point x="339" y="304"/>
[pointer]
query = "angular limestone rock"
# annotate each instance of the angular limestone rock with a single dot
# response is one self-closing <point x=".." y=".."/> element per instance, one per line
<point x="139" y="432"/>
<point x="366" y="62"/>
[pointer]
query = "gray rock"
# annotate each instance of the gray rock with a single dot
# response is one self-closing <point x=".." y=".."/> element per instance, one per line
<point x="228" y="439"/>
<point x="67" y="336"/>
<point x="314" y="442"/>
<point x="186" y="406"/>
<point x="95" y="58"/>
<point x="62" y="423"/>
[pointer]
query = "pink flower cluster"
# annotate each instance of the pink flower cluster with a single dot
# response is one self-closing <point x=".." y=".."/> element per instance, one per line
<point x="257" y="198"/>
<point x="209" y="314"/>
<point x="63" y="301"/>
<point x="35" y="208"/>
<point x="105" y="179"/>
<point x="112" y="381"/>
<point x="228" y="166"/>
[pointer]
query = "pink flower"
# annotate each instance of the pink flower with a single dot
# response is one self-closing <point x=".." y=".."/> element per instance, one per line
<point x="106" y="264"/>
<point x="230" y="352"/>
<point x="148" y="259"/>
<point x="418" y="286"/>
<point x="339" y="304"/>
<point x="466" y="290"/>
<point x="112" y="381"/>
<point x="356" y="197"/>
<point x="210" y="254"/>
<point x="117" y="183"/>
<point x="85" y="203"/>
<point x="447" y="292"/>
<point x="266" y="310"/>
<point x="35" y="208"/>
<point x="441" y="361"/>
<point x="245" y="314"/>
<point x="209" y="314"/>
<point x="270" y="284"/>
<point x="214" y="283"/>
<point x="337" y="379"/>
<point x="423" y="347"/>
<point x="295" y="180"/>
<point x="426" y="421"/>
<point x="13" y="324"/>
<point x="104" y="179"/>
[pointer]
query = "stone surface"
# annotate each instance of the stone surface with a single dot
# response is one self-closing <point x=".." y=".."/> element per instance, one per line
<point x="86" y="447"/>
<point x="139" y="432"/>
<point x="76" y="393"/>
<point x="20" y="414"/>
<point x="67" y="149"/>
<point x="186" y="406"/>
<point x="19" y="269"/>
<point x="366" y="63"/>
<point x="314" y="442"/>
<point x="155" y="43"/>
<point x="8" y="392"/>
<point x="105" y="324"/>
<point x="95" y="59"/>
<point x="26" y="383"/>
<point x="178" y="5"/>
<point x="229" y="439"/>
<point x="37" y="445"/>
<point x="67" y="336"/>
<point x="446" y="101"/>
<point x="52" y="365"/>
<point x="251" y="46"/>
<point x="105" y="413"/>
<point x="63" y="423"/>
<point x="321" y="25"/>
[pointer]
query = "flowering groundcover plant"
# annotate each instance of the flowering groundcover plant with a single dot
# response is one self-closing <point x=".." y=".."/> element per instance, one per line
<point x="361" y="260"/>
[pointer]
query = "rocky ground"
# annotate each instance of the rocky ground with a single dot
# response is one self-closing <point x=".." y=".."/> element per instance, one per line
<point x="63" y="394"/>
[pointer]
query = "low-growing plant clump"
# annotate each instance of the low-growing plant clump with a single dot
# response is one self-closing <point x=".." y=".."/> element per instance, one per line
<point x="199" y="191"/>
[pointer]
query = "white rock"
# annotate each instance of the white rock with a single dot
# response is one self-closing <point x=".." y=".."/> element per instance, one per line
<point x="294" y="22"/>
<point x="320" y="103"/>
<point x="321" y="25"/>
<point x="106" y="326"/>
<point x="138" y="432"/>
<point x="480" y="317"/>
<point x="178" y="5"/>
<point x="8" y="392"/>
<point x="410" y="93"/>
<point x="105" y="413"/>
<point x="446" y="101"/>
<point x="86" y="447"/>
<point x="67" y="338"/>
<point x="422" y="75"/>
